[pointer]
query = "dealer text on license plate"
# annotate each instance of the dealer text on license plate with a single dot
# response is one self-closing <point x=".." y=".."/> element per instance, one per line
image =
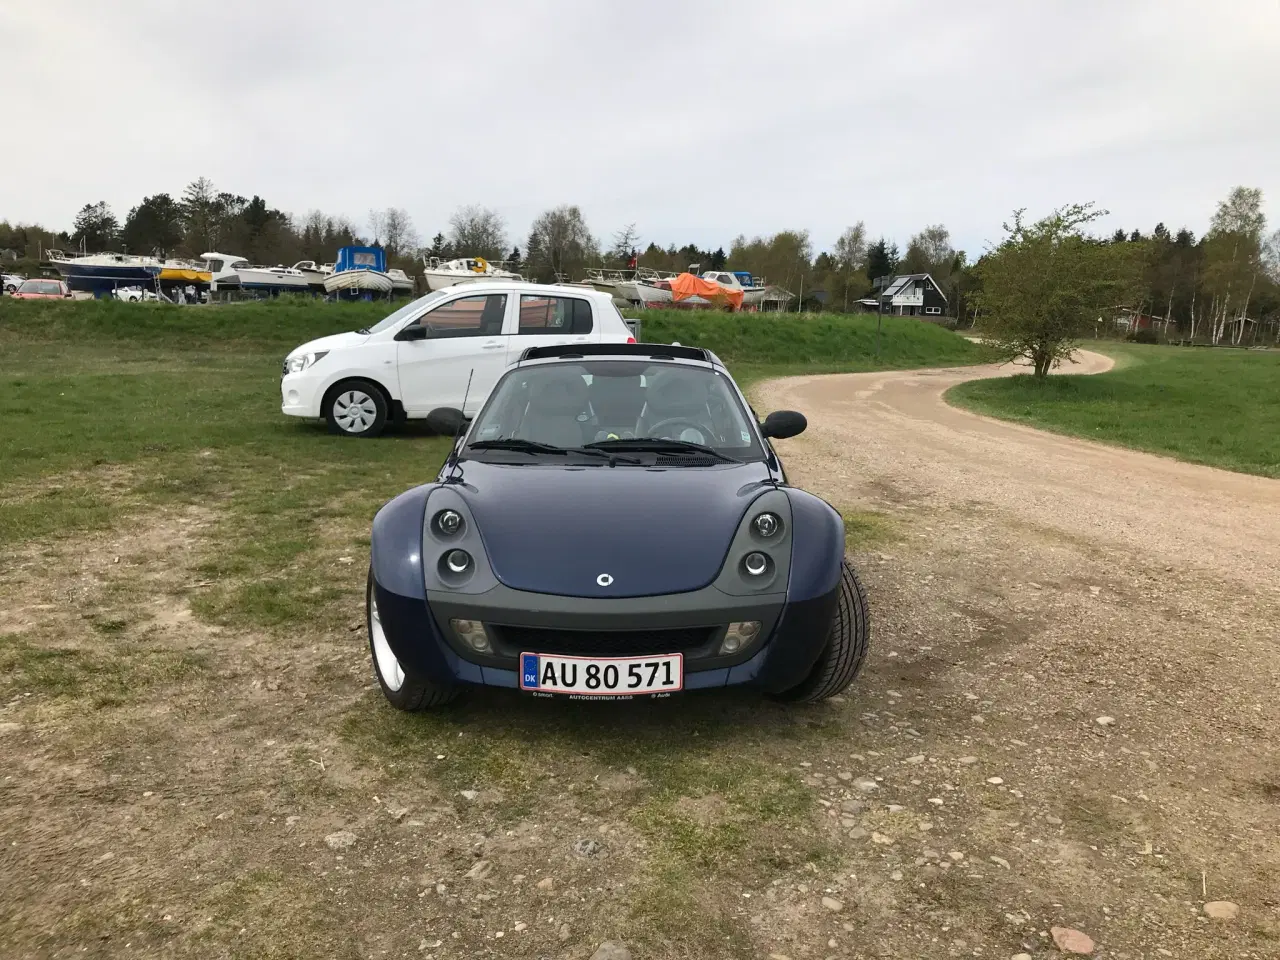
<point x="601" y="676"/>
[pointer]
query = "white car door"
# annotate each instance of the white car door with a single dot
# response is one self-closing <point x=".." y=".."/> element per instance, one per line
<point x="456" y="341"/>
<point x="544" y="320"/>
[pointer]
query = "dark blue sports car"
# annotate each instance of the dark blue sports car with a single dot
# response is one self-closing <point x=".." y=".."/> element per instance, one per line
<point x="613" y="523"/>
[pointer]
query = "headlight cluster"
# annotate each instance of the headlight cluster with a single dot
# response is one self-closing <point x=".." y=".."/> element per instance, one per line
<point x="767" y="525"/>
<point x="303" y="361"/>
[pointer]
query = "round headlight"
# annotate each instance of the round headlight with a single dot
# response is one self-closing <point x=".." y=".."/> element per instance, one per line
<point x="767" y="524"/>
<point x="457" y="561"/>
<point x="448" y="522"/>
<point x="755" y="564"/>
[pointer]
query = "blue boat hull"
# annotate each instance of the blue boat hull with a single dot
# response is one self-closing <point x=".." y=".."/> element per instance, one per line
<point x="101" y="280"/>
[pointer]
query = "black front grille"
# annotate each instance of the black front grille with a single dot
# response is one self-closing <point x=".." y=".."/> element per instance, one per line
<point x="612" y="643"/>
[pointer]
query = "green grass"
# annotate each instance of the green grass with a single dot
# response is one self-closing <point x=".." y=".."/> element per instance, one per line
<point x="756" y="346"/>
<point x="1219" y="407"/>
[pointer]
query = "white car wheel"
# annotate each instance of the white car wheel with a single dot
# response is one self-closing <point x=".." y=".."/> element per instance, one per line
<point x="355" y="411"/>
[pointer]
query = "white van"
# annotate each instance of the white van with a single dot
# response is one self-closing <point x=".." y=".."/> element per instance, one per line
<point x="423" y="356"/>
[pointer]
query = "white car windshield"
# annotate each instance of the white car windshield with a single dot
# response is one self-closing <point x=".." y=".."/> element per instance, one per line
<point x="405" y="312"/>
<point x="624" y="404"/>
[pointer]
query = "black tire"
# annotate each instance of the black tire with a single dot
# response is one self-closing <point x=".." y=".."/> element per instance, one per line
<point x="356" y="408"/>
<point x="842" y="658"/>
<point x="413" y="693"/>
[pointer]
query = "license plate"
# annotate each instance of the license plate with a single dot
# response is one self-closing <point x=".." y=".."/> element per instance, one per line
<point x="601" y="676"/>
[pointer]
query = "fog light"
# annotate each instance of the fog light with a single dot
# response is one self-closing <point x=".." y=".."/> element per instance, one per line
<point x="755" y="564"/>
<point x="457" y="561"/>
<point x="472" y="633"/>
<point x="767" y="524"/>
<point x="739" y="635"/>
<point x="448" y="522"/>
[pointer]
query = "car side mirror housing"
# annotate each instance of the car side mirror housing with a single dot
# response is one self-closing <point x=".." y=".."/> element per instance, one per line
<point x="415" y="331"/>
<point x="782" y="424"/>
<point x="446" y="421"/>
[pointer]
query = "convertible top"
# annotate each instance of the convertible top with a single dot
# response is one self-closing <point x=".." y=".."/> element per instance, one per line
<point x="656" y="351"/>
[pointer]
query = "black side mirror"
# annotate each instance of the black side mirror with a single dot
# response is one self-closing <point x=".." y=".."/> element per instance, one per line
<point x="782" y="424"/>
<point x="446" y="421"/>
<point x="415" y="331"/>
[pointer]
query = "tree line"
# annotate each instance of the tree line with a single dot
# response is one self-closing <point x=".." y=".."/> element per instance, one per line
<point x="1221" y="287"/>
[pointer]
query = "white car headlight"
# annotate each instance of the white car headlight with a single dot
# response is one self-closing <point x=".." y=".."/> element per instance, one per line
<point x="303" y="360"/>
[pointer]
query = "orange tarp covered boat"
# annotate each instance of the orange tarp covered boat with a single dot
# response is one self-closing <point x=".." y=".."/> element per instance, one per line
<point x="686" y="285"/>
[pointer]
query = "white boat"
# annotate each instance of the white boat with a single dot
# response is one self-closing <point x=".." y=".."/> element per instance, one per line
<point x="364" y="281"/>
<point x="315" y="273"/>
<point x="754" y="290"/>
<point x="223" y="268"/>
<point x="439" y="274"/>
<point x="361" y="272"/>
<point x="401" y="282"/>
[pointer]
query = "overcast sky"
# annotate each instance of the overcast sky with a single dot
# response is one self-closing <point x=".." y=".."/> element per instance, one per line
<point x="697" y="121"/>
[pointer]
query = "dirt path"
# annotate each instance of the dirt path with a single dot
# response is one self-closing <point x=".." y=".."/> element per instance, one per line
<point x="896" y="428"/>
<point x="1038" y="584"/>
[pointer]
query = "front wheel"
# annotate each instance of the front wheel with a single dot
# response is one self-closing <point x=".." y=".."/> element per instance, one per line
<point x="403" y="689"/>
<point x="356" y="408"/>
<point x="845" y="652"/>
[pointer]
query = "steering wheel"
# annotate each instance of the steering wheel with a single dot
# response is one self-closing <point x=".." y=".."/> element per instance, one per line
<point x="683" y="424"/>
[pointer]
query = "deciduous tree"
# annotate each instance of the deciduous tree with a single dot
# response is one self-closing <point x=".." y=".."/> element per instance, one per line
<point x="1047" y="283"/>
<point x="476" y="231"/>
<point x="560" y="245"/>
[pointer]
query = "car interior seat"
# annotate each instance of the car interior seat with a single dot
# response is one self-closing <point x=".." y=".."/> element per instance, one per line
<point x="674" y="394"/>
<point x="555" y="405"/>
<point x="495" y="309"/>
<point x="617" y="401"/>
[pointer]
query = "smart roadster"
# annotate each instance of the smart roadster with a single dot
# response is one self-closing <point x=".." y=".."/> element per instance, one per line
<point x="614" y="522"/>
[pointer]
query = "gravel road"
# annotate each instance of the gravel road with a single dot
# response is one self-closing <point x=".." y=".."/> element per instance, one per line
<point x="1094" y="625"/>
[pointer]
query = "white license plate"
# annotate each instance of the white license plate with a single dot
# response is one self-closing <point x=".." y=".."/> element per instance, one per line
<point x="601" y="676"/>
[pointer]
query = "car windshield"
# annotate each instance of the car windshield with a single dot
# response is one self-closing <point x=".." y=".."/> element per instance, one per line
<point x="408" y="310"/>
<point x="643" y="409"/>
<point x="47" y="287"/>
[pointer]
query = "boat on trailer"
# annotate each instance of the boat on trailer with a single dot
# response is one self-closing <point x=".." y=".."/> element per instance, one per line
<point x="439" y="274"/>
<point x="360" y="273"/>
<point x="100" y="273"/>
<point x="314" y="273"/>
<point x="401" y="282"/>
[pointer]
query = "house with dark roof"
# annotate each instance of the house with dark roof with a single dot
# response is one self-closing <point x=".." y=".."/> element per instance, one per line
<point x="912" y="295"/>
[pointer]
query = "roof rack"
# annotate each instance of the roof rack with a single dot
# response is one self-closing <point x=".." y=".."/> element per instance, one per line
<point x="656" y="351"/>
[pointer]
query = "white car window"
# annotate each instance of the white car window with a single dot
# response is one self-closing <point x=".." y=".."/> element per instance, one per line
<point x="408" y="310"/>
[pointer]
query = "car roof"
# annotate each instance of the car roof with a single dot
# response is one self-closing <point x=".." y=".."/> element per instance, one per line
<point x="661" y="352"/>
<point x="520" y="286"/>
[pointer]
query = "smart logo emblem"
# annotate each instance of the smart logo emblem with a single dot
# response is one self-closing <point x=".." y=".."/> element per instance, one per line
<point x="604" y="580"/>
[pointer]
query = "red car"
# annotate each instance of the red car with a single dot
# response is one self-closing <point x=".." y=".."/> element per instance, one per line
<point x="42" y="290"/>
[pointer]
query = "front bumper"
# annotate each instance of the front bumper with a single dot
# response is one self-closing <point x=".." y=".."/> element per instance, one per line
<point x="792" y="635"/>
<point x="301" y="394"/>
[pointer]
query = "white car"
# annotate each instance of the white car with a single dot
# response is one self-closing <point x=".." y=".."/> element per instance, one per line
<point x="9" y="283"/>
<point x="133" y="294"/>
<point x="437" y="350"/>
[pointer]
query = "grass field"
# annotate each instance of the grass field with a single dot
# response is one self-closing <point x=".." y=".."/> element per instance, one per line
<point x="1219" y="407"/>
<point x="181" y="618"/>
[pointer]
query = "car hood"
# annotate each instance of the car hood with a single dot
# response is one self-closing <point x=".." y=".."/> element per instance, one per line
<point x="560" y="530"/>
<point x="334" y="342"/>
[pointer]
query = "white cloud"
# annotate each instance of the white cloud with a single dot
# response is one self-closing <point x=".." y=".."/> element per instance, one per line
<point x="698" y="121"/>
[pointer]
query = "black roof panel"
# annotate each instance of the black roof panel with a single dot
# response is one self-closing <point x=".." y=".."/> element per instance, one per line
<point x="655" y="350"/>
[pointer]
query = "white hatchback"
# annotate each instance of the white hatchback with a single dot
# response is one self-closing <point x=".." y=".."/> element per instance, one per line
<point x="434" y="352"/>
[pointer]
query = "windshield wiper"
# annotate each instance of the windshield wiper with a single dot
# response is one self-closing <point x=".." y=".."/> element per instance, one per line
<point x="365" y="330"/>
<point x="533" y="446"/>
<point x="513" y="443"/>
<point x="660" y="445"/>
